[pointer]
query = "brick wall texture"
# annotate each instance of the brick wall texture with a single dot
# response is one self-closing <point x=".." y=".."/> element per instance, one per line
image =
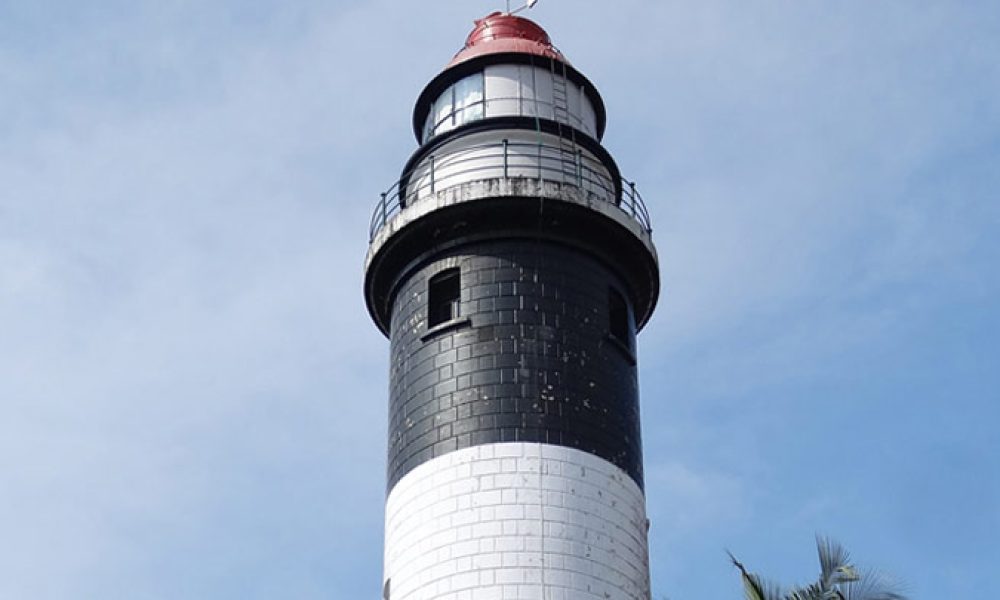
<point x="530" y="359"/>
<point x="516" y="521"/>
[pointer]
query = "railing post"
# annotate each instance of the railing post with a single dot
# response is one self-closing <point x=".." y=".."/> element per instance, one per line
<point x="539" y="163"/>
<point x="631" y="185"/>
<point x="378" y="219"/>
<point x="505" y="144"/>
<point x="579" y="168"/>
<point x="432" y="173"/>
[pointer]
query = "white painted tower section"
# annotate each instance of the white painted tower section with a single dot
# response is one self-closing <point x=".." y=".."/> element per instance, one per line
<point x="516" y="521"/>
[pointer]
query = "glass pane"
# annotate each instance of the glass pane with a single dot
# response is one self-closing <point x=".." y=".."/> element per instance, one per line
<point x="589" y="117"/>
<point x="473" y="113"/>
<point x="574" y="94"/>
<point x="443" y="110"/>
<point x="468" y="91"/>
<point x="502" y="90"/>
<point x="429" y="125"/>
<point x="527" y="77"/>
<point x="543" y="93"/>
<point x="469" y="99"/>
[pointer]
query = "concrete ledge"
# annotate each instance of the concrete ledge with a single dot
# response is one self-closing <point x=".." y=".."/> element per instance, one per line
<point x="499" y="187"/>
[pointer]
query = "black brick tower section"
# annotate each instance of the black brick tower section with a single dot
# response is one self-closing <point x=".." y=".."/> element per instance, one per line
<point x="531" y="360"/>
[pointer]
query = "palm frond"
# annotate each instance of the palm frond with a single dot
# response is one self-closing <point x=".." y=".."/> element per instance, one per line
<point x="839" y="580"/>
<point x="872" y="585"/>
<point x="811" y="592"/>
<point x="755" y="588"/>
<point x="835" y="563"/>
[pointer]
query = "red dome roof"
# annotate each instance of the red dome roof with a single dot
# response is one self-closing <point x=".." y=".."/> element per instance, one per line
<point x="500" y="33"/>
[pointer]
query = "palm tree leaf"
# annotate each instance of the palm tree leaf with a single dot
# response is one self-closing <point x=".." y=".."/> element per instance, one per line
<point x="839" y="580"/>
<point x="812" y="592"/>
<point x="834" y="561"/>
<point x="757" y="588"/>
<point x="754" y="588"/>
<point x="872" y="585"/>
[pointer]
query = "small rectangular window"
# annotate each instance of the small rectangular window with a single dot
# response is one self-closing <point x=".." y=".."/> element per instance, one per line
<point x="443" y="297"/>
<point x="618" y="318"/>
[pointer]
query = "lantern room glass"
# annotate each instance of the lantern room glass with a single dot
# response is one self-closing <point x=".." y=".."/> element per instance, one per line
<point x="461" y="103"/>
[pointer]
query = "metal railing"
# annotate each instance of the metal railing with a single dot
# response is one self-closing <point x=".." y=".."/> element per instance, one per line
<point x="509" y="160"/>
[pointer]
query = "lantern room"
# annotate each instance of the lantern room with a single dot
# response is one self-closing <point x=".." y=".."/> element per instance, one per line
<point x="508" y="68"/>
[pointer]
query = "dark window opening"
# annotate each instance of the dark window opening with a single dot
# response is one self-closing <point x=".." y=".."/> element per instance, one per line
<point x="619" y="325"/>
<point x="443" y="300"/>
<point x="386" y="590"/>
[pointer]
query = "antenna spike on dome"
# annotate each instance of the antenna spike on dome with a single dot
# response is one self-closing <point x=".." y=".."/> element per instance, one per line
<point x="528" y="4"/>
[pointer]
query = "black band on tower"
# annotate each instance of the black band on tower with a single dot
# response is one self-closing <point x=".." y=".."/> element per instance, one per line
<point x="537" y="349"/>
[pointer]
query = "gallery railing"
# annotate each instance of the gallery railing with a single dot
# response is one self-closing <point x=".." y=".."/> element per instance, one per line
<point x="510" y="161"/>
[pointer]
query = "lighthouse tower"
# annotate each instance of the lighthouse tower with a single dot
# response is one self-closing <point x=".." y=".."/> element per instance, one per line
<point x="511" y="267"/>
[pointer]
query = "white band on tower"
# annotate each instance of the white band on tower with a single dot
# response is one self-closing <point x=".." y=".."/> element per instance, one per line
<point x="516" y="520"/>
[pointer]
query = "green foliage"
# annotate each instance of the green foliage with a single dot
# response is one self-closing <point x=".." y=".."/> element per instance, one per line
<point x="839" y="579"/>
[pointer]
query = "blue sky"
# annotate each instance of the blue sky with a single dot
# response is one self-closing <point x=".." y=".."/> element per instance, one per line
<point x="192" y="398"/>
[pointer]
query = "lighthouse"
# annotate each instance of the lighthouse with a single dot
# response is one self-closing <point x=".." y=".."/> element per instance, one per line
<point x="511" y="267"/>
